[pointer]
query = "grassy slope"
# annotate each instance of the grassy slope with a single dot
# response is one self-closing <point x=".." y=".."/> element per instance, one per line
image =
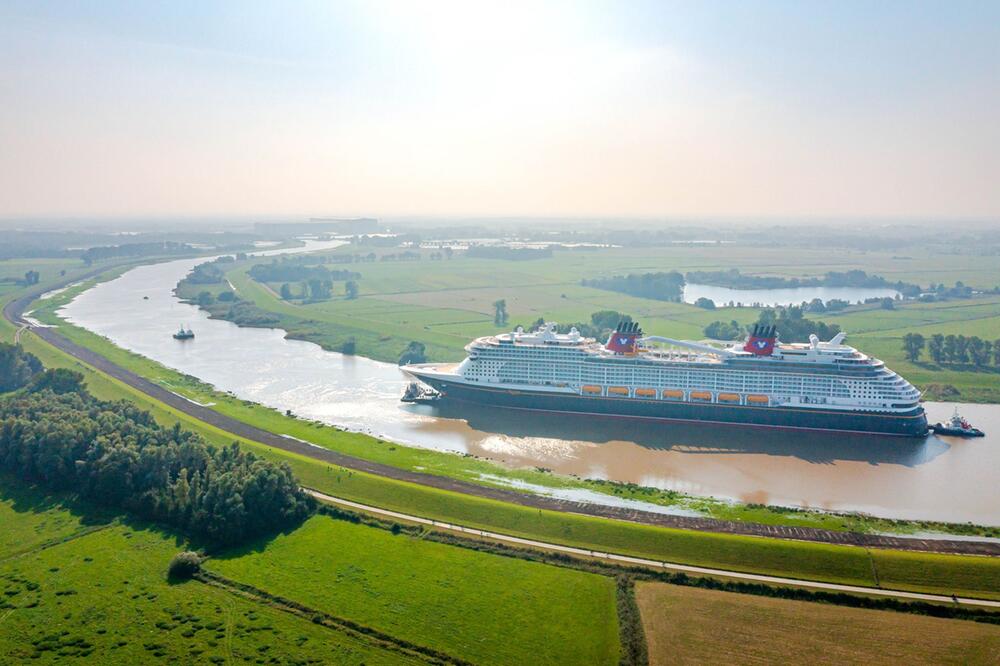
<point x="971" y="576"/>
<point x="484" y="608"/>
<point x="684" y="626"/>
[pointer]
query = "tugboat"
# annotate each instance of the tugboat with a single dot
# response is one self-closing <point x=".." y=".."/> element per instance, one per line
<point x="957" y="426"/>
<point x="184" y="334"/>
<point x="420" y="395"/>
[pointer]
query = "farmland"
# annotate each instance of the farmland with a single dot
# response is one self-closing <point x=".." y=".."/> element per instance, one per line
<point x="443" y="304"/>
<point x="479" y="607"/>
<point x="693" y="626"/>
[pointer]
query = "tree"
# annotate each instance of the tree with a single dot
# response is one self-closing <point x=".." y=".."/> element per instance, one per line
<point x="58" y="380"/>
<point x="962" y="349"/>
<point x="349" y="346"/>
<point x="950" y="348"/>
<point x="816" y="305"/>
<point x="184" y="565"/>
<point x="500" y="313"/>
<point x="979" y="351"/>
<point x="205" y="299"/>
<point x="935" y="347"/>
<point x="996" y="352"/>
<point x="414" y="353"/>
<point x="913" y="345"/>
<point x="351" y="290"/>
<point x="17" y="367"/>
<point x="608" y="319"/>
<point x="31" y="277"/>
<point x="705" y="303"/>
<point x="720" y="330"/>
<point x="286" y="292"/>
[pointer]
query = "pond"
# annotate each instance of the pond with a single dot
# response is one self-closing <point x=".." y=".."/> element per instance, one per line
<point x="773" y="297"/>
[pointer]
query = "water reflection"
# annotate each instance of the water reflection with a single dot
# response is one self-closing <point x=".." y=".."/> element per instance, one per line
<point x="819" y="447"/>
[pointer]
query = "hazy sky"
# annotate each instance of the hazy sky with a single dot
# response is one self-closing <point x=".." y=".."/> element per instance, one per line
<point x="382" y="108"/>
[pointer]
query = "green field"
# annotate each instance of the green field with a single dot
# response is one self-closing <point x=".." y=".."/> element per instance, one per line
<point x="969" y="576"/>
<point x="444" y="304"/>
<point x="686" y="625"/>
<point x="483" y="608"/>
<point x="448" y="464"/>
<point x="100" y="592"/>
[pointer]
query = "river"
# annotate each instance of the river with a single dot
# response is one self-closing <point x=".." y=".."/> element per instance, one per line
<point x="934" y="478"/>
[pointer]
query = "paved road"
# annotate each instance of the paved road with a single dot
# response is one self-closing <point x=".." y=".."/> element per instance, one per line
<point x="13" y="311"/>
<point x="656" y="564"/>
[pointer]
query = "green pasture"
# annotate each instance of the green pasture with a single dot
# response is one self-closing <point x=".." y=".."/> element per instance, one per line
<point x="104" y="596"/>
<point x="444" y="304"/>
<point x="483" y="608"/>
<point x="449" y="464"/>
<point x="971" y="576"/>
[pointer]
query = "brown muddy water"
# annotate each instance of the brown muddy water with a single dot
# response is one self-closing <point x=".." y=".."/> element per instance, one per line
<point x="935" y="478"/>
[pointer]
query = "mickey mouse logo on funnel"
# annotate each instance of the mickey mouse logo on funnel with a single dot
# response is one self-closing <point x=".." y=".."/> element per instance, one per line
<point x="762" y="340"/>
<point x="625" y="338"/>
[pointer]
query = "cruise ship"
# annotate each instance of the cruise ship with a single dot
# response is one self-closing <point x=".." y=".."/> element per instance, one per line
<point x="759" y="382"/>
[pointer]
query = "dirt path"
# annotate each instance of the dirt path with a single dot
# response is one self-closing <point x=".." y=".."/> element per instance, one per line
<point x="13" y="310"/>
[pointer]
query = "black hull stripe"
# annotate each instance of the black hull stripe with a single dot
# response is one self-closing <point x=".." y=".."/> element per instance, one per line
<point x="913" y="424"/>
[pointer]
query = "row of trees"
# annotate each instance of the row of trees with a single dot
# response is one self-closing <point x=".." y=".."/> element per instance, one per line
<point x="17" y="367"/>
<point x="508" y="253"/>
<point x="791" y="323"/>
<point x="116" y="454"/>
<point x="658" y="286"/>
<point x="733" y="279"/>
<point x="957" y="349"/>
<point x="287" y="271"/>
<point x="318" y="290"/>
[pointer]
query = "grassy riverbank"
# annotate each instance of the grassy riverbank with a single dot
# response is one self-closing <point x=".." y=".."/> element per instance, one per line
<point x="463" y="467"/>
<point x="969" y="576"/>
<point x="444" y="304"/>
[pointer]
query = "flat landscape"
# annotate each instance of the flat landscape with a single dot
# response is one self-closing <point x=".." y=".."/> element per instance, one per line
<point x="443" y="304"/>
<point x="693" y="626"/>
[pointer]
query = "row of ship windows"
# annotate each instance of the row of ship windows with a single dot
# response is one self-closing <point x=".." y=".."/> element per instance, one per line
<point x="725" y="380"/>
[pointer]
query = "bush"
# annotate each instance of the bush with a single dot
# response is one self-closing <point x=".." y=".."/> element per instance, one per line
<point x="57" y="380"/>
<point x="184" y="565"/>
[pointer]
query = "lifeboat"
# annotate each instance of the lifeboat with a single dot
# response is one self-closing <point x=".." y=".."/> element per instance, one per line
<point x="645" y="393"/>
<point x="729" y="397"/>
<point x="591" y="390"/>
<point x="703" y="396"/>
<point x="673" y="394"/>
<point x="618" y="390"/>
<point x="758" y="400"/>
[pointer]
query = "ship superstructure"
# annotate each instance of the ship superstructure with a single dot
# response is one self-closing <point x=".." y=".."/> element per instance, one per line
<point x="759" y="382"/>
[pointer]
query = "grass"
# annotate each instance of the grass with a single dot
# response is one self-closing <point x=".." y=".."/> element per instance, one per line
<point x="467" y="468"/>
<point x="444" y="304"/>
<point x="30" y="519"/>
<point x="103" y="596"/>
<point x="965" y="576"/>
<point x="479" y="607"/>
<point x="687" y="625"/>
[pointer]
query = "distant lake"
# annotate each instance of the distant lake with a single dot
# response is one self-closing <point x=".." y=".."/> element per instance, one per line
<point x="772" y="297"/>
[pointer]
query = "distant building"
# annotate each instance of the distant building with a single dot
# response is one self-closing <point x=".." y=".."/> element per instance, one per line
<point x="319" y="225"/>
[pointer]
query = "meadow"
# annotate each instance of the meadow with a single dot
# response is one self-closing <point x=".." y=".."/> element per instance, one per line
<point x="102" y="593"/>
<point x="443" y="304"/>
<point x="467" y="468"/>
<point x="483" y="608"/>
<point x="685" y="625"/>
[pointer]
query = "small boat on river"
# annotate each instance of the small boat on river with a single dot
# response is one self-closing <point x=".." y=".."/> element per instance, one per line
<point x="420" y="395"/>
<point x="184" y="334"/>
<point x="957" y="426"/>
